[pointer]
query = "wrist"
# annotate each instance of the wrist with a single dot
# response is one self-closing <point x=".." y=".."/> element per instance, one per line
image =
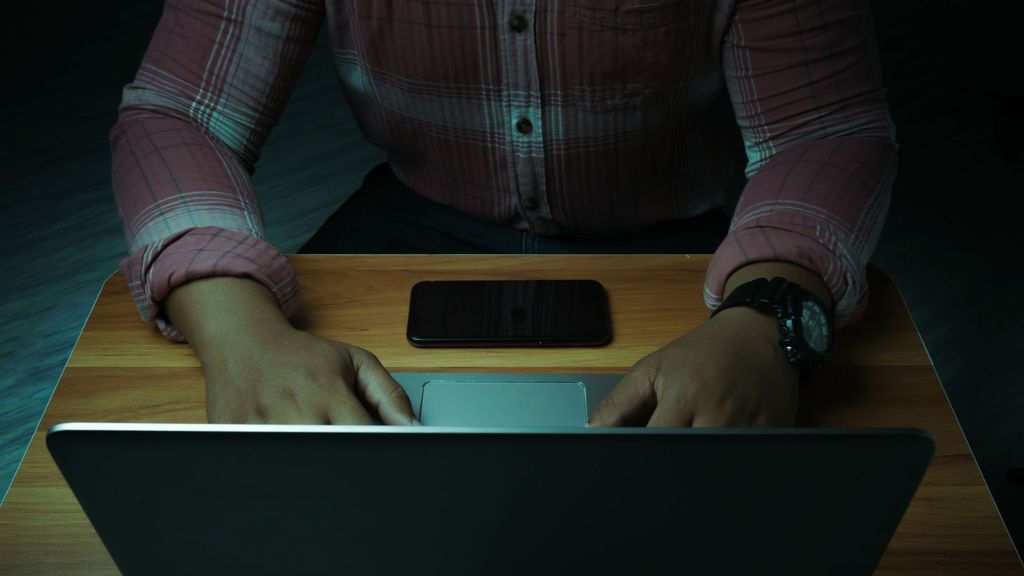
<point x="805" y="278"/>
<point x="754" y="324"/>
<point x="803" y="324"/>
<point x="223" y="312"/>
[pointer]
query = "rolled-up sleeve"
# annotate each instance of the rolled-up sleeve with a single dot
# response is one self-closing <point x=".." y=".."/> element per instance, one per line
<point x="212" y="84"/>
<point x="807" y="92"/>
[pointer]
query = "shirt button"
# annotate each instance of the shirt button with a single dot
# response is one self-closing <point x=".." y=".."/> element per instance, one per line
<point x="517" y="22"/>
<point x="530" y="203"/>
<point x="524" y="126"/>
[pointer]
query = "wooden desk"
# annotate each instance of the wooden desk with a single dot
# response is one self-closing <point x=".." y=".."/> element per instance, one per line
<point x="123" y="370"/>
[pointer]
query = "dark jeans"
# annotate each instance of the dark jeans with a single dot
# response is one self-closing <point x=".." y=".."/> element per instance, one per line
<point x="386" y="217"/>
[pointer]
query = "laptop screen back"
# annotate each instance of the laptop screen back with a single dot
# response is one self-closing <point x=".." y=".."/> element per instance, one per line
<point x="204" y="499"/>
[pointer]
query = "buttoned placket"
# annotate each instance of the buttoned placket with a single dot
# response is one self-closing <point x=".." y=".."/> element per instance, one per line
<point x="524" y="126"/>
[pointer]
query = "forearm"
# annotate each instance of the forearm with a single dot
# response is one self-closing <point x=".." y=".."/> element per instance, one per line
<point x="189" y="212"/>
<point x="216" y="312"/>
<point x="181" y="159"/>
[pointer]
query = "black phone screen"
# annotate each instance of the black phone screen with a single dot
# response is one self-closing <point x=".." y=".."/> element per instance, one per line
<point x="508" y="313"/>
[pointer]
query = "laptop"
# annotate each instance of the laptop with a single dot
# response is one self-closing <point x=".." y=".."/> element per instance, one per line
<point x="503" y="478"/>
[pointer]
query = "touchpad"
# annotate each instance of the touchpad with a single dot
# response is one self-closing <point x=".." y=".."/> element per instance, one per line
<point x="470" y="403"/>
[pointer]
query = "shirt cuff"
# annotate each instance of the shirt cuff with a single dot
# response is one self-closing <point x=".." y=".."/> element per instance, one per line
<point x="845" y="278"/>
<point x="158" y="268"/>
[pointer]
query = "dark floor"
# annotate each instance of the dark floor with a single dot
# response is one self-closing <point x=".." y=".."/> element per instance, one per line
<point x="949" y="242"/>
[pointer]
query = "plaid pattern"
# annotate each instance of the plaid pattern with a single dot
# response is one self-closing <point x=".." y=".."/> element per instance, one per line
<point x="557" y="116"/>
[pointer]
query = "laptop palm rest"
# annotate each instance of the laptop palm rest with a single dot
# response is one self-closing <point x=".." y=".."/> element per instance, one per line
<point x="475" y="403"/>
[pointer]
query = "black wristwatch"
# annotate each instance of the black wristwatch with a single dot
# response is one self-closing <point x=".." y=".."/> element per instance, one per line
<point x="804" y="325"/>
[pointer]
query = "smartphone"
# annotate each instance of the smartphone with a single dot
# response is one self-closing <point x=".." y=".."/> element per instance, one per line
<point x="508" y="313"/>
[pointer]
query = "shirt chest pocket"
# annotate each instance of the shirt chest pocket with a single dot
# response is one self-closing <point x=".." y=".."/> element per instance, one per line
<point x="629" y="53"/>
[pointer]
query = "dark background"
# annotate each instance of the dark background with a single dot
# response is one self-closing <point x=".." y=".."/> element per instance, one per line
<point x="951" y="240"/>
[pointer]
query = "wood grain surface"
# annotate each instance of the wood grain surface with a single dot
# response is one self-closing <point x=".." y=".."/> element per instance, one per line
<point x="123" y="370"/>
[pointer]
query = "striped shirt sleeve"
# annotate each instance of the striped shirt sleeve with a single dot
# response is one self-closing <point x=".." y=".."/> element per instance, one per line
<point x="212" y="83"/>
<point x="806" y="88"/>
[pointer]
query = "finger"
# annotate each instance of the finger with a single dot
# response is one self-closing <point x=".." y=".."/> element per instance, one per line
<point x="380" y="391"/>
<point x="671" y="413"/>
<point x="345" y="408"/>
<point x="631" y="401"/>
<point x="711" y="418"/>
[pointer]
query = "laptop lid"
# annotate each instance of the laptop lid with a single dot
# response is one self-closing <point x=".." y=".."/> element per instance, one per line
<point x="265" y="499"/>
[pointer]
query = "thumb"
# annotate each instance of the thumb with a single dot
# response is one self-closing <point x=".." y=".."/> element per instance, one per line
<point x="630" y="402"/>
<point x="380" y="391"/>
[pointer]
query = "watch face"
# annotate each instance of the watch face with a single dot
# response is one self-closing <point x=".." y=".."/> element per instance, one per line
<point x="815" y="326"/>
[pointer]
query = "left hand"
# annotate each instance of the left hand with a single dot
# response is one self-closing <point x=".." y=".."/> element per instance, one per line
<point x="729" y="371"/>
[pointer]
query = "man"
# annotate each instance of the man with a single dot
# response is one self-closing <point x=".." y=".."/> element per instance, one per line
<point x="543" y="123"/>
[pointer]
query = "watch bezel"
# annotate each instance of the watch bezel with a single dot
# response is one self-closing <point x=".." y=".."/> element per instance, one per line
<point x="830" y="341"/>
<point x="792" y="333"/>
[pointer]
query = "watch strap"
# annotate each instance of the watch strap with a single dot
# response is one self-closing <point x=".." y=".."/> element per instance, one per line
<point x="761" y="293"/>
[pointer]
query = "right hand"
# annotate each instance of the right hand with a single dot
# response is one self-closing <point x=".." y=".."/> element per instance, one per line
<point x="285" y="375"/>
<point x="261" y="369"/>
